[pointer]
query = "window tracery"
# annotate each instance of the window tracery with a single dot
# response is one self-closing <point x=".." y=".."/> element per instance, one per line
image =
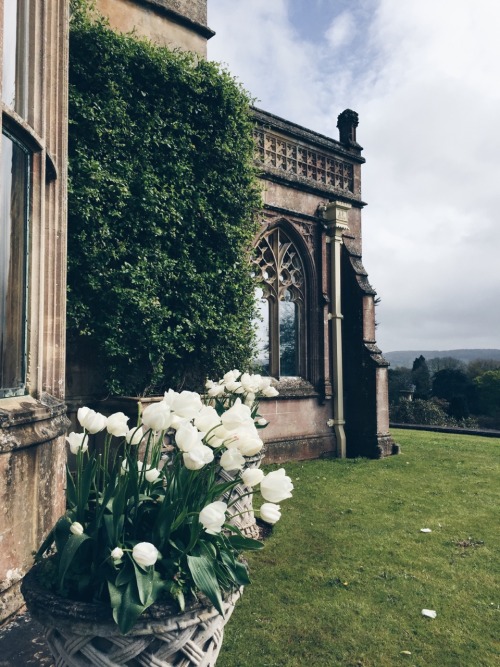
<point x="280" y="298"/>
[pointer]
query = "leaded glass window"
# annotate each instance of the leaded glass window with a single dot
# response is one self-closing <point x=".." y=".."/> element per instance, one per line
<point x="280" y="300"/>
<point x="14" y="190"/>
<point x="15" y="62"/>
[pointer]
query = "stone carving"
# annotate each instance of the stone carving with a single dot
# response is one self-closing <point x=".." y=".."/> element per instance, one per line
<point x="273" y="151"/>
<point x="279" y="265"/>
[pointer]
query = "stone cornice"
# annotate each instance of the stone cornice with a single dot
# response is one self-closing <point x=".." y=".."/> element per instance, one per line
<point x="308" y="137"/>
<point x="278" y="176"/>
<point x="161" y="7"/>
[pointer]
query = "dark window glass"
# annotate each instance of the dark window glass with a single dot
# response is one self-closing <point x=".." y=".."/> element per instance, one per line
<point x="289" y="329"/>
<point x="14" y="184"/>
<point x="262" y="329"/>
<point x="15" y="63"/>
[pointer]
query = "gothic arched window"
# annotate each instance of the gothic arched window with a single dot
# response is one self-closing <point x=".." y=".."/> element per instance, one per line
<point x="280" y="299"/>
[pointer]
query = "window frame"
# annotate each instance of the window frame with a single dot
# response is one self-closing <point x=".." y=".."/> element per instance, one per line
<point x="21" y="389"/>
<point x="273" y="293"/>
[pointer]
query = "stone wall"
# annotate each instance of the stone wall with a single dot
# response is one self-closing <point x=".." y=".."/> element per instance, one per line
<point x="174" y="23"/>
<point x="302" y="173"/>
<point x="32" y="446"/>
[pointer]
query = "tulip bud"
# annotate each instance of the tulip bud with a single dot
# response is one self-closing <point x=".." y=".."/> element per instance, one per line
<point x="76" y="528"/>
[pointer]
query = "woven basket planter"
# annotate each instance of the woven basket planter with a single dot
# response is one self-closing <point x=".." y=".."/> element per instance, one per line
<point x="241" y="513"/>
<point x="84" y="634"/>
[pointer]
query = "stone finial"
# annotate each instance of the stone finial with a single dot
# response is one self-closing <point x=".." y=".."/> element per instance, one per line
<point x="347" y="122"/>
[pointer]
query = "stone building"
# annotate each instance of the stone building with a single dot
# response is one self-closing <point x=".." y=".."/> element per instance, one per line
<point x="329" y="369"/>
<point x="317" y="330"/>
<point x="32" y="281"/>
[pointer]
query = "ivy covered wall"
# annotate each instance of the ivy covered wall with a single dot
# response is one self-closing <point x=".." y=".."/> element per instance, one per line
<point x="162" y="208"/>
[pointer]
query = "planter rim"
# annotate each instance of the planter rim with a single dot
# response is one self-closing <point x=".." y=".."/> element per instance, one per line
<point x="52" y="610"/>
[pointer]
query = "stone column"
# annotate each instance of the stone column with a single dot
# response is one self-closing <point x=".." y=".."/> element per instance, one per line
<point x="335" y="215"/>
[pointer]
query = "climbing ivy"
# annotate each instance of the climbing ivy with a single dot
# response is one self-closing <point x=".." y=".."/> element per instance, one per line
<point x="162" y="203"/>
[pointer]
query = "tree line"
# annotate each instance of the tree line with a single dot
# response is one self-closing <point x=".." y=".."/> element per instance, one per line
<point x="445" y="391"/>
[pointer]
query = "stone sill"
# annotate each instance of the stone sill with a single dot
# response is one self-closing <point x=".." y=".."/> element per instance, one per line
<point x="293" y="387"/>
<point x="26" y="421"/>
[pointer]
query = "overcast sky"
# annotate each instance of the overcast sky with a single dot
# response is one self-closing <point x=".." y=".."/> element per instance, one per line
<point x="424" y="76"/>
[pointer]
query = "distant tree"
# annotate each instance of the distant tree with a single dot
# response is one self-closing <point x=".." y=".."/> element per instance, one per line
<point x="488" y="390"/>
<point x="450" y="382"/>
<point x="479" y="366"/>
<point x="458" y="408"/>
<point x="441" y="363"/>
<point x="399" y="380"/>
<point x="421" y="377"/>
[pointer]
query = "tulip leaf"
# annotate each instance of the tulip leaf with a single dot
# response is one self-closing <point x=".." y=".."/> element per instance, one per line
<point x="129" y="608"/>
<point x="85" y="482"/>
<point x="241" y="543"/>
<point x="204" y="577"/>
<point x="70" y="489"/>
<point x="237" y="571"/>
<point x="125" y="575"/>
<point x="144" y="581"/>
<point x="70" y="549"/>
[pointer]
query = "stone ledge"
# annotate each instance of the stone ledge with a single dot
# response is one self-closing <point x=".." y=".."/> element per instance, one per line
<point x="27" y="422"/>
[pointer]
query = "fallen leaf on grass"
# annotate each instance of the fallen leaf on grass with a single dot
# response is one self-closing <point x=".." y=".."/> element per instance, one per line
<point x="405" y="652"/>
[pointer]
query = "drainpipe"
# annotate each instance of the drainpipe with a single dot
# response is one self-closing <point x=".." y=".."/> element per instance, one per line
<point x="335" y="215"/>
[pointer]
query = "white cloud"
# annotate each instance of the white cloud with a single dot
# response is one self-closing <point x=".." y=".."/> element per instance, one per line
<point x="424" y="78"/>
<point x="341" y="31"/>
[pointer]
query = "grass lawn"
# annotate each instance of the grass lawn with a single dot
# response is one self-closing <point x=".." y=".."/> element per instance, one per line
<point x="346" y="572"/>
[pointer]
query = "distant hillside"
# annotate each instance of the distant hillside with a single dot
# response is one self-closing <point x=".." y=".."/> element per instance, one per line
<point x="407" y="357"/>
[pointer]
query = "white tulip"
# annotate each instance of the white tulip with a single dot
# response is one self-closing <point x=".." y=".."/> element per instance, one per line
<point x="218" y="436"/>
<point x="213" y="516"/>
<point x="187" y="404"/>
<point x="207" y="419"/>
<point x="77" y="442"/>
<point x="234" y="388"/>
<point x="276" y="486"/>
<point x="145" y="554"/>
<point x="237" y="416"/>
<point x="187" y="437"/>
<point x="125" y="466"/>
<point x="249" y="399"/>
<point x="91" y="421"/>
<point x="251" y="383"/>
<point x="270" y="392"/>
<point x="134" y="436"/>
<point x="270" y="513"/>
<point x="198" y="457"/>
<point x="117" y="424"/>
<point x="76" y="528"/>
<point x="232" y="460"/>
<point x="252" y="476"/>
<point x="231" y="376"/>
<point x="152" y="474"/>
<point x="157" y="416"/>
<point x="117" y="553"/>
<point x="177" y="422"/>
<point x="247" y="441"/>
<point x="216" y="391"/>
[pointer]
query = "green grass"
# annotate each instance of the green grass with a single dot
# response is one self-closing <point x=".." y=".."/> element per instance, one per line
<point x="346" y="573"/>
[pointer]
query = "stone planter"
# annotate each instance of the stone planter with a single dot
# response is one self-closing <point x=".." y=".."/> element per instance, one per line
<point x="84" y="634"/>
